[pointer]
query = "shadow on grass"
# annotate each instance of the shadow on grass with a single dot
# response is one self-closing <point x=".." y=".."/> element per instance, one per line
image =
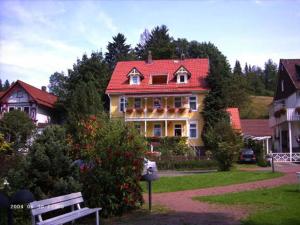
<point x="166" y="218"/>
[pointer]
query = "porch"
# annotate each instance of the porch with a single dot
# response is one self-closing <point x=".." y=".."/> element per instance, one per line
<point x="287" y="142"/>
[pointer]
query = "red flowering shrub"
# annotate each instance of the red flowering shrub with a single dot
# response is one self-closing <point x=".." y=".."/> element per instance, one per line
<point x="113" y="153"/>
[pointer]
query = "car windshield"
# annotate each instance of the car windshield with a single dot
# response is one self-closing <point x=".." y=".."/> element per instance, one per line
<point x="248" y="152"/>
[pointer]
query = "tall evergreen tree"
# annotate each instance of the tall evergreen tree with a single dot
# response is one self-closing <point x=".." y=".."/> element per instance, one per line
<point x="6" y="85"/>
<point x="237" y="70"/>
<point x="118" y="50"/>
<point x="181" y="47"/>
<point x="270" y="74"/>
<point x="159" y="42"/>
<point x="57" y="84"/>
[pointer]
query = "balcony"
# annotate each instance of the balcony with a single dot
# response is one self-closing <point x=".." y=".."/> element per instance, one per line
<point x="279" y="115"/>
<point x="150" y="113"/>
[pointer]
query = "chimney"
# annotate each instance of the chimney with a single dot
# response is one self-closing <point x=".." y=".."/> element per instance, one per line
<point x="182" y="56"/>
<point x="44" y="88"/>
<point x="149" y="57"/>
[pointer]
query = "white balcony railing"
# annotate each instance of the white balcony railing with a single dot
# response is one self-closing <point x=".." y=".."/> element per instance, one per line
<point x="287" y="114"/>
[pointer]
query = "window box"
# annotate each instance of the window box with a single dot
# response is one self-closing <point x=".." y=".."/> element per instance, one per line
<point x="171" y="110"/>
<point x="181" y="110"/>
<point x="139" y="110"/>
<point x="160" y="110"/>
<point x="150" y="109"/>
<point x="129" y="110"/>
<point x="280" y="112"/>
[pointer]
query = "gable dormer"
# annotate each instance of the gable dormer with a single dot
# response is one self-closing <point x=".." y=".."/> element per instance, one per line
<point x="182" y="75"/>
<point x="135" y="77"/>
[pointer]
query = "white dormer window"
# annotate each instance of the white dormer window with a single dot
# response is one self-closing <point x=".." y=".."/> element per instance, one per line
<point x="182" y="79"/>
<point x="135" y="77"/>
<point x="182" y="75"/>
<point x="134" y="80"/>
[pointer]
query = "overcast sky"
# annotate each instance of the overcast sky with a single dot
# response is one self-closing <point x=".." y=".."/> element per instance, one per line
<point x="38" y="38"/>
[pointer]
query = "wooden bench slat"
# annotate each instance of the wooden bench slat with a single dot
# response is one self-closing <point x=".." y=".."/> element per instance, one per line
<point x="69" y="217"/>
<point x="54" y="206"/>
<point x="50" y="201"/>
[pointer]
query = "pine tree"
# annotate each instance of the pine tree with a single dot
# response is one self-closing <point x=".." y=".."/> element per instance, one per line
<point x="159" y="42"/>
<point x="270" y="74"/>
<point x="57" y="84"/>
<point x="237" y="70"/>
<point x="6" y="85"/>
<point x="1" y="85"/>
<point x="118" y="50"/>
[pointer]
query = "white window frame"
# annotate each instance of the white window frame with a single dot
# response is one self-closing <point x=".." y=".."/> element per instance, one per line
<point x="135" y="101"/>
<point x="11" y="107"/>
<point x="194" y="123"/>
<point x="175" y="102"/>
<point x="196" y="99"/>
<point x="160" y="129"/>
<point x="123" y="100"/>
<point x="176" y="124"/>
<point x="135" y="80"/>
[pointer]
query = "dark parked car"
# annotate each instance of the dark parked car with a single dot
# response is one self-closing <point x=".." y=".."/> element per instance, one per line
<point x="247" y="155"/>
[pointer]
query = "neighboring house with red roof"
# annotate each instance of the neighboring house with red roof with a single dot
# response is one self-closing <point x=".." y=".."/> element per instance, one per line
<point x="161" y="97"/>
<point x="37" y="103"/>
<point x="235" y="120"/>
<point x="284" y="112"/>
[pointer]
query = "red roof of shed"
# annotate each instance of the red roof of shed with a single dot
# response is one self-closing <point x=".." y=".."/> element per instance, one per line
<point x="41" y="97"/>
<point x="198" y="69"/>
<point x="256" y="127"/>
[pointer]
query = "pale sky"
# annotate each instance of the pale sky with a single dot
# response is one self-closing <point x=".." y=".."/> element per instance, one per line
<point x="38" y="38"/>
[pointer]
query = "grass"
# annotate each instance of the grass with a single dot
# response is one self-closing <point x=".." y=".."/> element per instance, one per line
<point x="257" y="109"/>
<point x="180" y="183"/>
<point x="276" y="206"/>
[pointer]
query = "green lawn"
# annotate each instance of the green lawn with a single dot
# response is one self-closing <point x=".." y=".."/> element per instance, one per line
<point x="171" y="184"/>
<point x="276" y="206"/>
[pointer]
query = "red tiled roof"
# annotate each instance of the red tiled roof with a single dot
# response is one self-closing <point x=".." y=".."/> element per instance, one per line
<point x="256" y="127"/>
<point x="41" y="97"/>
<point x="234" y="118"/>
<point x="197" y="67"/>
<point x="290" y="66"/>
<point x="1" y="93"/>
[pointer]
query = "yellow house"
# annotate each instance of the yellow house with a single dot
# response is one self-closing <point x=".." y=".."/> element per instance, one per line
<point x="161" y="97"/>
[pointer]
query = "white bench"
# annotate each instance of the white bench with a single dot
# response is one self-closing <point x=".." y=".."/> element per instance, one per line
<point x="40" y="207"/>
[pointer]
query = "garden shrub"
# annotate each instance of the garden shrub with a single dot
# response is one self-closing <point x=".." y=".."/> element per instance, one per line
<point x="17" y="127"/>
<point x="47" y="170"/>
<point x="186" y="164"/>
<point x="224" y="143"/>
<point x="113" y="153"/>
<point x="172" y="146"/>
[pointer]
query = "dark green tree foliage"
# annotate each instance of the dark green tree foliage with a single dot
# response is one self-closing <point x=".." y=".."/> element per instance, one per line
<point x="215" y="101"/>
<point x="270" y="75"/>
<point x="255" y="80"/>
<point x="159" y="42"/>
<point x="118" y="50"/>
<point x="57" y="84"/>
<point x="1" y="85"/>
<point x="85" y="88"/>
<point x="47" y="170"/>
<point x="181" y="48"/>
<point x="17" y="127"/>
<point x="237" y="70"/>
<point x="224" y="143"/>
<point x="6" y="85"/>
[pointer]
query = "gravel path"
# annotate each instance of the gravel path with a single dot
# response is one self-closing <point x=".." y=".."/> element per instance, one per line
<point x="190" y="212"/>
